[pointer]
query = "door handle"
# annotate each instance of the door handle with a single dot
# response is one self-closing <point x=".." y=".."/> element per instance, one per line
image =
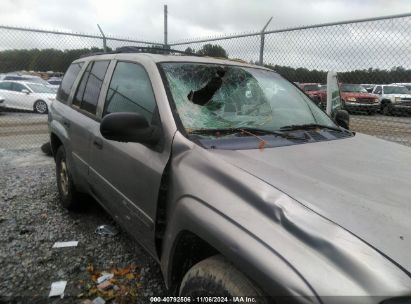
<point x="98" y="142"/>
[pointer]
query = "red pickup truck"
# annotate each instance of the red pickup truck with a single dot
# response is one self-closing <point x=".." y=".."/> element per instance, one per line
<point x="356" y="99"/>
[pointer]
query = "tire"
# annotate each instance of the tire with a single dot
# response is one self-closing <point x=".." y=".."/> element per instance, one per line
<point x="40" y="106"/>
<point x="386" y="109"/>
<point x="216" y="277"/>
<point x="69" y="196"/>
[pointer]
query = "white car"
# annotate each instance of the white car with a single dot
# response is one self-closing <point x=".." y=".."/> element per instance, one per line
<point x="54" y="83"/>
<point x="26" y="96"/>
<point x="393" y="98"/>
<point x="1" y="102"/>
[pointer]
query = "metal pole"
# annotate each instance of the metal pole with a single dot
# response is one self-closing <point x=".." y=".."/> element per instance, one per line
<point x="104" y="39"/>
<point x="165" y="27"/>
<point x="262" y="38"/>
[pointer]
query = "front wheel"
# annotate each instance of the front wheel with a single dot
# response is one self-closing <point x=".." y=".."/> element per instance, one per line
<point x="216" y="277"/>
<point x="387" y="109"/>
<point x="40" y="106"/>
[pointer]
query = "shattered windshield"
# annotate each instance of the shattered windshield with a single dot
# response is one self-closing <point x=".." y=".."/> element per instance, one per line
<point x="210" y="96"/>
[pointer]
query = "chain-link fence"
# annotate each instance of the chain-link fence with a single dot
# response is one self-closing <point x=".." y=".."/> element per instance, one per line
<point x="372" y="57"/>
<point x="39" y="56"/>
<point x="369" y="55"/>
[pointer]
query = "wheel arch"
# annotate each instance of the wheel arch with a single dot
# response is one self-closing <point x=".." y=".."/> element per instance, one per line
<point x="189" y="249"/>
<point x="195" y="232"/>
<point x="55" y="143"/>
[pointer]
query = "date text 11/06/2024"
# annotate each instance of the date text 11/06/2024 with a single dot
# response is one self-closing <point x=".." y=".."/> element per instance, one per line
<point x="203" y="299"/>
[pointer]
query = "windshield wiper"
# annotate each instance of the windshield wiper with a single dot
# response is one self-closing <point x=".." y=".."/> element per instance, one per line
<point x="310" y="127"/>
<point x="246" y="130"/>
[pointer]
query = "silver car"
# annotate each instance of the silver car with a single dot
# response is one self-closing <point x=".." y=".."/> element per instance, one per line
<point x="234" y="180"/>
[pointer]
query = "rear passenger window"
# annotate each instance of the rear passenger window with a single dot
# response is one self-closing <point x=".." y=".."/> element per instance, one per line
<point x="89" y="88"/>
<point x="130" y="91"/>
<point x="68" y="80"/>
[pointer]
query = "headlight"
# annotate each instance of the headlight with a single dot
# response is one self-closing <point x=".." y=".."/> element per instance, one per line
<point x="397" y="99"/>
<point x="351" y="99"/>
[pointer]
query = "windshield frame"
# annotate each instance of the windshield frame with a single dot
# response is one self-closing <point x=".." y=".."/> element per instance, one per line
<point x="178" y="121"/>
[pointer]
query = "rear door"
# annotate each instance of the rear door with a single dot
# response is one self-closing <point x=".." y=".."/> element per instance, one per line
<point x="81" y="117"/>
<point x="126" y="176"/>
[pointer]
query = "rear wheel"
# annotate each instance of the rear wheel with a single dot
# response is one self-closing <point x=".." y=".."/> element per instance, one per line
<point x="40" y="106"/>
<point x="216" y="277"/>
<point x="69" y="196"/>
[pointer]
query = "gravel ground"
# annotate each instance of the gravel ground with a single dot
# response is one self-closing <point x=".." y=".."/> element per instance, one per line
<point x="32" y="220"/>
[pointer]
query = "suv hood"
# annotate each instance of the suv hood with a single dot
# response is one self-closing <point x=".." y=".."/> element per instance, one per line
<point x="361" y="183"/>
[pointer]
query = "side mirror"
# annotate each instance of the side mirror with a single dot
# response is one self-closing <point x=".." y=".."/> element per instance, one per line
<point x="342" y="118"/>
<point x="129" y="127"/>
<point x="25" y="91"/>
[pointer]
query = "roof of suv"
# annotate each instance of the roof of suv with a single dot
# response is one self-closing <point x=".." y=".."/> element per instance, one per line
<point x="156" y="58"/>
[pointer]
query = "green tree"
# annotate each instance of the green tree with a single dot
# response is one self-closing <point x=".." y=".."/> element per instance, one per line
<point x="189" y="50"/>
<point x="213" y="50"/>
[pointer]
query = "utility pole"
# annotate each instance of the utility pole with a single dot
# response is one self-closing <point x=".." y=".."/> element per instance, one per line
<point x="262" y="37"/>
<point x="165" y="27"/>
<point x="104" y="39"/>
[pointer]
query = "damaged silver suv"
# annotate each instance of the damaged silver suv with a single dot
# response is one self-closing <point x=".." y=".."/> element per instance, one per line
<point x="234" y="180"/>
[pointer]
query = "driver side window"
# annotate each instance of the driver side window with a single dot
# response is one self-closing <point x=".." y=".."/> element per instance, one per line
<point x="378" y="90"/>
<point x="130" y="91"/>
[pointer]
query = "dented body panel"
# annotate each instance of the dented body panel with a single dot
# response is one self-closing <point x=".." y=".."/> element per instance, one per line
<point x="280" y="237"/>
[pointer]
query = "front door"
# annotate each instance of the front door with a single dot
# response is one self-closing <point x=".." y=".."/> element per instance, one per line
<point x="126" y="177"/>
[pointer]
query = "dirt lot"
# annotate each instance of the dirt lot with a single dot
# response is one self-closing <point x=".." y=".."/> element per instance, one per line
<point x="31" y="220"/>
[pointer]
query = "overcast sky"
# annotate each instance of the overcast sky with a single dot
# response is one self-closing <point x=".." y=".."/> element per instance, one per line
<point x="382" y="44"/>
<point x="143" y="19"/>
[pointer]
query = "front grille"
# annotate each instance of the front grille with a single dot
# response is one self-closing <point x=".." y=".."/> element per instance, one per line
<point x="406" y="99"/>
<point x="365" y="100"/>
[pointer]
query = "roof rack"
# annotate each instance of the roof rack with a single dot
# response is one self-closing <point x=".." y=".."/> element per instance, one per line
<point x="142" y="49"/>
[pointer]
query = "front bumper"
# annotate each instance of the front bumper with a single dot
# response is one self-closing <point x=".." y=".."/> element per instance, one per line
<point x="401" y="107"/>
<point x="356" y="106"/>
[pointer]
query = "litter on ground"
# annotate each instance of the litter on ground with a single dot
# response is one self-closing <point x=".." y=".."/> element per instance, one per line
<point x="57" y="289"/>
<point x="106" y="230"/>
<point x="65" y="244"/>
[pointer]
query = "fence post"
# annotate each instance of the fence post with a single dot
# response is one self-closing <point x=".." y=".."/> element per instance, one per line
<point x="104" y="39"/>
<point x="165" y="27"/>
<point x="262" y="37"/>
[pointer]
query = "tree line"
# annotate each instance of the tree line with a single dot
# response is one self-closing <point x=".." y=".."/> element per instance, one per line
<point x="59" y="60"/>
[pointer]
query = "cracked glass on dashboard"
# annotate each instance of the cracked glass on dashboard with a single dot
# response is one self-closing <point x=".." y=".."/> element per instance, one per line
<point x="211" y="96"/>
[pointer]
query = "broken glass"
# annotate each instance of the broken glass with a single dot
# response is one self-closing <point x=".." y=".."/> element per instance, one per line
<point x="211" y="96"/>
